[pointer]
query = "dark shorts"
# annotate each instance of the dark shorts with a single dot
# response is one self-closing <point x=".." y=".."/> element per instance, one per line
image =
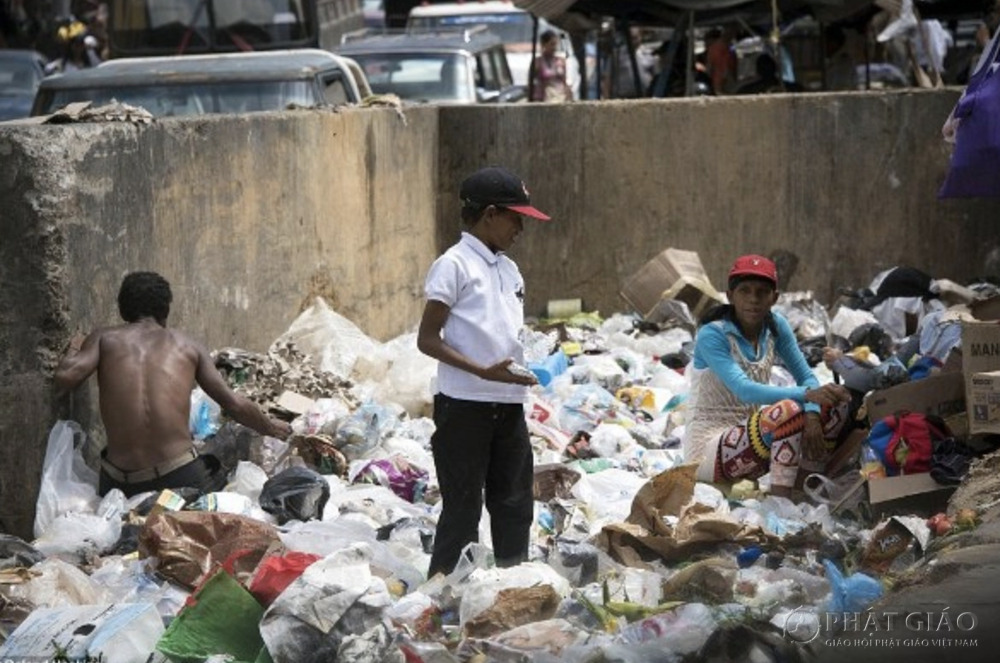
<point x="204" y="474"/>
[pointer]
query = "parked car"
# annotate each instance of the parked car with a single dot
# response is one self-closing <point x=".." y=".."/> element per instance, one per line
<point x="512" y="24"/>
<point x="20" y="74"/>
<point x="216" y="83"/>
<point x="457" y="66"/>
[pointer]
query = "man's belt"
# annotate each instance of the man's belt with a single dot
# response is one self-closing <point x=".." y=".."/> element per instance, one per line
<point x="148" y="474"/>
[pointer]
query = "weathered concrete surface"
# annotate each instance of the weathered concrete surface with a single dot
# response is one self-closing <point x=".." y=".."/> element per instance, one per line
<point x="847" y="182"/>
<point x="249" y="218"/>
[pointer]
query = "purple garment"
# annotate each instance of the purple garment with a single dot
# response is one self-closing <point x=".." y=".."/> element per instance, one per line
<point x="975" y="162"/>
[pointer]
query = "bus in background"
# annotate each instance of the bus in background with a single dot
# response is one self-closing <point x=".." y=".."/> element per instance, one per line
<point x="177" y="27"/>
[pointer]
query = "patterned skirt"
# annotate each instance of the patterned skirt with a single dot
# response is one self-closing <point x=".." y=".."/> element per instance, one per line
<point x="771" y="439"/>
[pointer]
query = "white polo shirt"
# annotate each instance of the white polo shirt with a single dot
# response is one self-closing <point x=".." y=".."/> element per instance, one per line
<point x="485" y="292"/>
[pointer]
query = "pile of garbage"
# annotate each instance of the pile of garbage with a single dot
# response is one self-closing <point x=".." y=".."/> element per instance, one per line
<point x="318" y="548"/>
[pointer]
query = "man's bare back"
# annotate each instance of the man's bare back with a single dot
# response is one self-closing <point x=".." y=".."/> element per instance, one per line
<point x="145" y="374"/>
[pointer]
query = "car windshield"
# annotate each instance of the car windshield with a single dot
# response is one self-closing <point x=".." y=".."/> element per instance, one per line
<point x="17" y="77"/>
<point x="511" y="27"/>
<point x="195" y="99"/>
<point x="419" y="76"/>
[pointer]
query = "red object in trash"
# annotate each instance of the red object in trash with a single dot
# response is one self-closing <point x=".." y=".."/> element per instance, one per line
<point x="277" y="572"/>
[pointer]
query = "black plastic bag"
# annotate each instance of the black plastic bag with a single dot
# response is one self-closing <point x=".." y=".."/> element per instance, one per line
<point x="297" y="493"/>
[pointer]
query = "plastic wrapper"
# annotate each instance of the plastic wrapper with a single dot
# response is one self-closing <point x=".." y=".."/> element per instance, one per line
<point x="297" y="493"/>
<point x="396" y="474"/>
<point x="68" y="485"/>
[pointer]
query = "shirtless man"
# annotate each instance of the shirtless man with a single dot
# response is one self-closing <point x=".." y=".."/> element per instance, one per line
<point x="145" y="373"/>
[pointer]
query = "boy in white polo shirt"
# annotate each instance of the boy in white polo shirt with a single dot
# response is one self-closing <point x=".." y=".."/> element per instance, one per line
<point x="471" y="324"/>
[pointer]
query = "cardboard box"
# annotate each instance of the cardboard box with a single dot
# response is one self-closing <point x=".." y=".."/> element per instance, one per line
<point x="941" y="394"/>
<point x="986" y="309"/>
<point x="980" y="354"/>
<point x="910" y="494"/>
<point x="984" y="403"/>
<point x="670" y="271"/>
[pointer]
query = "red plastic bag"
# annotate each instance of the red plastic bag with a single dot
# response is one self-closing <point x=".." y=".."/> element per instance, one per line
<point x="276" y="572"/>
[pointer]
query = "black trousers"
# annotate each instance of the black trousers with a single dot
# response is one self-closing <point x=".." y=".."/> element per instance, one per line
<point x="481" y="449"/>
<point x="204" y="473"/>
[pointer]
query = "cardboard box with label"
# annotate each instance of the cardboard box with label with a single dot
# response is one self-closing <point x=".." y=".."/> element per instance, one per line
<point x="673" y="274"/>
<point x="984" y="403"/>
<point x="980" y="354"/>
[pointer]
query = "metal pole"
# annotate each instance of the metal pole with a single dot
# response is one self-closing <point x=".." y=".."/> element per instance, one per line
<point x="534" y="54"/>
<point x="689" y="74"/>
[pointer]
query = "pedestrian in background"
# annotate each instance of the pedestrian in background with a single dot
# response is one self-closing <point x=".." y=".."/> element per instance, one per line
<point x="548" y="72"/>
<point x="471" y="324"/>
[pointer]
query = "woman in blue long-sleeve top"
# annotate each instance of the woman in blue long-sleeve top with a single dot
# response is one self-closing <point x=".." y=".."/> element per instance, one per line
<point x="740" y="426"/>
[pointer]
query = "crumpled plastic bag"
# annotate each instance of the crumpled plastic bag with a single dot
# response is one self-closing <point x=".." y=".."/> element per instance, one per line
<point x="68" y="484"/>
<point x="361" y="432"/>
<point x="297" y="493"/>
<point x="78" y="534"/>
<point x="190" y="544"/>
<point x="851" y="594"/>
<point x="335" y="597"/>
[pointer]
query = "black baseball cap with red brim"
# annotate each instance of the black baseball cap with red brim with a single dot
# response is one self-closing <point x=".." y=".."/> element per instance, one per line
<point x="498" y="186"/>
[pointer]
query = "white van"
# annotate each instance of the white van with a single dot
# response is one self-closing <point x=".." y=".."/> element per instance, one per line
<point x="513" y="25"/>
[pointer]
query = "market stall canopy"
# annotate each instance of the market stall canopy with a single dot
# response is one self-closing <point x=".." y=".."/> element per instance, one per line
<point x="573" y="14"/>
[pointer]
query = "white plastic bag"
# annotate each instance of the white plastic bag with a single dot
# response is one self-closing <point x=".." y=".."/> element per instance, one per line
<point x="77" y="534"/>
<point x="68" y="484"/>
<point x="334" y="342"/>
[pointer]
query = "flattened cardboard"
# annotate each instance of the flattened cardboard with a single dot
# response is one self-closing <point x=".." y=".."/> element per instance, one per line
<point x="984" y="403"/>
<point x="908" y="494"/>
<point x="941" y="394"/>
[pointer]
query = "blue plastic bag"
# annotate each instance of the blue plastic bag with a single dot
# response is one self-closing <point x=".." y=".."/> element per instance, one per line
<point x="851" y="594"/>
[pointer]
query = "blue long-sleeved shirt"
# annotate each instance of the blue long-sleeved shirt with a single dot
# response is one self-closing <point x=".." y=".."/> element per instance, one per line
<point x="712" y="351"/>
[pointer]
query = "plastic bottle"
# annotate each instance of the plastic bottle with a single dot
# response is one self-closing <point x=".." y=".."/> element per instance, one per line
<point x="871" y="466"/>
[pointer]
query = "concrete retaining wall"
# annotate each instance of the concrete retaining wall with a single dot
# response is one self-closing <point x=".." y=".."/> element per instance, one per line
<point x="250" y="217"/>
<point x="846" y="182"/>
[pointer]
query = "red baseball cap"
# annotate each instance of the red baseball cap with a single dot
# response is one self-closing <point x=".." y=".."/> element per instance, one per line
<point x="756" y="266"/>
